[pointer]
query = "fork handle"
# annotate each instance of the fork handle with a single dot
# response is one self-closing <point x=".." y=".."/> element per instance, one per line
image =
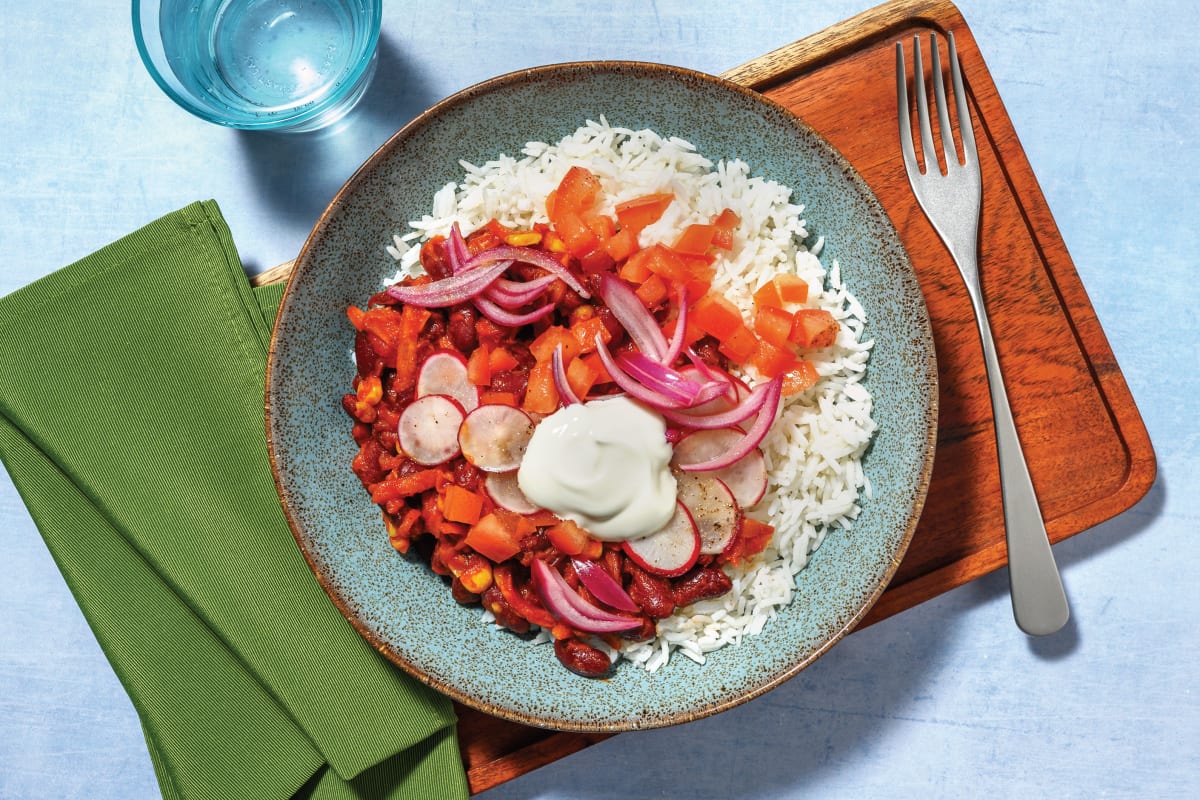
<point x="1038" y="600"/>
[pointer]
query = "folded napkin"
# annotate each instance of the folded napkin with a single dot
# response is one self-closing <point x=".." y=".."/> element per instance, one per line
<point x="131" y="422"/>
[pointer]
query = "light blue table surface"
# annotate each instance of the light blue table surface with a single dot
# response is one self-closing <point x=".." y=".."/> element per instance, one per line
<point x="948" y="699"/>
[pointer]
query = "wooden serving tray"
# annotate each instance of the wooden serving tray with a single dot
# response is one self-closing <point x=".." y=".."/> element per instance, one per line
<point x="1087" y="449"/>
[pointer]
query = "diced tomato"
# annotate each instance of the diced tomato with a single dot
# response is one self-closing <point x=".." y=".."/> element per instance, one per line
<point x="596" y="261"/>
<point x="692" y="335"/>
<point x="500" y="360"/>
<point x="580" y="377"/>
<point x="695" y="239"/>
<point x="576" y="235"/>
<point x="576" y="192"/>
<point x="636" y="214"/>
<point x="635" y="269"/>
<point x="494" y="537"/>
<point x="498" y="399"/>
<point x="621" y="245"/>
<point x="767" y="296"/>
<point x="792" y="288"/>
<point x="543" y="346"/>
<point x="740" y="345"/>
<point x="541" y="396"/>
<point x="652" y="291"/>
<point x="773" y="325"/>
<point x="813" y="327"/>
<point x="771" y="361"/>
<point x="586" y="331"/>
<point x="716" y="315"/>
<point x="355" y="315"/>
<point x="479" y="369"/>
<point x="725" y="224"/>
<point x="751" y="539"/>
<point x="801" y="377"/>
<point x="461" y="505"/>
<point x="600" y="224"/>
<point x="568" y="538"/>
<point x="593" y="362"/>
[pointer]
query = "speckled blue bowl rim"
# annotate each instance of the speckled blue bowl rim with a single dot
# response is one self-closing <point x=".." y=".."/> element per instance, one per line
<point x="404" y="610"/>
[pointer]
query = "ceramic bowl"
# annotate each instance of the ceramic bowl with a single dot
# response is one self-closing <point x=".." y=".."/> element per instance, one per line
<point x="406" y="611"/>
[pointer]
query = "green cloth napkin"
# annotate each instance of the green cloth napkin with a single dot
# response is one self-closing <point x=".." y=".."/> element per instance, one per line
<point x="131" y="422"/>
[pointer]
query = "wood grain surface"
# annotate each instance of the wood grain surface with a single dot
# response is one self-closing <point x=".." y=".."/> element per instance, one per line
<point x="1088" y="451"/>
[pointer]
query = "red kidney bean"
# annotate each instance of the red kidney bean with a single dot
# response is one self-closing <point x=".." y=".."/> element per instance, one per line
<point x="582" y="658"/>
<point x="651" y="593"/>
<point x="700" y="584"/>
<point x="462" y="328"/>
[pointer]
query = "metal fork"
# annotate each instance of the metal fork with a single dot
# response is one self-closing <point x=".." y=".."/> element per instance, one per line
<point x="952" y="202"/>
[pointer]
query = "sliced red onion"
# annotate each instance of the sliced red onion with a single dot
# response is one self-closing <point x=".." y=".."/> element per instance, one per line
<point x="713" y="375"/>
<point x="742" y="411"/>
<point x="527" y="255"/>
<point x="565" y="392"/>
<point x="675" y="346"/>
<point x="514" y="294"/>
<point x="657" y="377"/>
<point x="564" y="603"/>
<point x="756" y="434"/>
<point x="631" y="387"/>
<point x="602" y="585"/>
<point x="456" y="250"/>
<point x="633" y="315"/>
<point x="502" y="316"/>
<point x="449" y="291"/>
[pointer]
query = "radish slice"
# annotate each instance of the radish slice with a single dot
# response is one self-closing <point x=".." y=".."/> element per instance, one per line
<point x="494" y="437"/>
<point x="445" y="372"/>
<point x="602" y="585"/>
<point x="505" y="492"/>
<point x="713" y="509"/>
<point x="564" y="603"/>
<point x="670" y="551"/>
<point x="746" y="477"/>
<point x="429" y="427"/>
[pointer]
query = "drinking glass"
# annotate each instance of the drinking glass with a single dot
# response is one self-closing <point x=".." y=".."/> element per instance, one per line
<point x="279" y="65"/>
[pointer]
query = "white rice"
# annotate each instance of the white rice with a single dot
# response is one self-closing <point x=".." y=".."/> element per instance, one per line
<point x="814" y="451"/>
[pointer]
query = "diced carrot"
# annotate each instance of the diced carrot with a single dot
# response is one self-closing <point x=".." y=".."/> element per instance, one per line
<point x="652" y="291"/>
<point x="740" y="345"/>
<point x="771" y="361"/>
<point x="792" y="288"/>
<point x="773" y="325"/>
<point x="543" y="346"/>
<point x="580" y="377"/>
<point x="498" y="399"/>
<point x="494" y="537"/>
<point x="541" y="397"/>
<point x="461" y="505"/>
<point x="479" y="369"/>
<point x="716" y="315"/>
<point x="586" y="331"/>
<point x="568" y="537"/>
<point x="500" y="360"/>
<point x="636" y="214"/>
<point x="413" y="321"/>
<point x="725" y="224"/>
<point x="621" y="245"/>
<point x="801" y="377"/>
<point x="813" y="327"/>
<point x="695" y="239"/>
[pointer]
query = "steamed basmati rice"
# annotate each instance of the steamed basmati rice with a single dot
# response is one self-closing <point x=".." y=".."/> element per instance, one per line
<point x="814" y="451"/>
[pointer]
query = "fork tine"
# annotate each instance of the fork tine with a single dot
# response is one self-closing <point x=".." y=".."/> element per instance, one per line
<point x="903" y="112"/>
<point x="939" y="93"/>
<point x="966" y="129"/>
<point x="927" y="148"/>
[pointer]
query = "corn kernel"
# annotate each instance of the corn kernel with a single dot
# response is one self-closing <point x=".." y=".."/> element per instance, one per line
<point x="523" y="238"/>
<point x="477" y="580"/>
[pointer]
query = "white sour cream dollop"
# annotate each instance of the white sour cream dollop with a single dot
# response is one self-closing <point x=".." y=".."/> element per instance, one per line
<point x="604" y="464"/>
